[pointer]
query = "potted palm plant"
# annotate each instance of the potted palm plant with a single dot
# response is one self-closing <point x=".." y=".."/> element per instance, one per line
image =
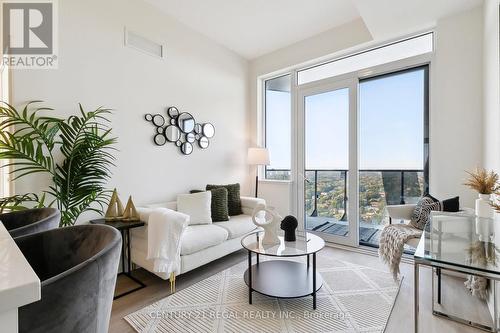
<point x="74" y="152"/>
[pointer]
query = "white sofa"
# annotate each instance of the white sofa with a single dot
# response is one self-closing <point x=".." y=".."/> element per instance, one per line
<point x="200" y="244"/>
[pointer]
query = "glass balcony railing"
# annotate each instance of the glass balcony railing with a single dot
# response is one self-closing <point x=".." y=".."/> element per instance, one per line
<point x="326" y="198"/>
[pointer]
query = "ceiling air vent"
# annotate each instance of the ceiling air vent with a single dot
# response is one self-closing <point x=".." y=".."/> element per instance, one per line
<point x="143" y="44"/>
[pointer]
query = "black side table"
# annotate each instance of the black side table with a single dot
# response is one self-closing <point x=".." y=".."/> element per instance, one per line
<point x="124" y="227"/>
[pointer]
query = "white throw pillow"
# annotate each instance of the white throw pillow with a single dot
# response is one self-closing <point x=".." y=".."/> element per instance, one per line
<point x="197" y="206"/>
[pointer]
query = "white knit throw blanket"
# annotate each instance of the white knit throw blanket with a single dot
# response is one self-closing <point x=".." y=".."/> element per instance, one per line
<point x="392" y="241"/>
<point x="165" y="230"/>
<point x="477" y="286"/>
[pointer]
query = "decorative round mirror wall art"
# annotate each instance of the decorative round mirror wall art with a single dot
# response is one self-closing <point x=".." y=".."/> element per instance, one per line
<point x="181" y="129"/>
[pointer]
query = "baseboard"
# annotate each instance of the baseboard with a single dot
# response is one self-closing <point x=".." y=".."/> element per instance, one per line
<point x="368" y="250"/>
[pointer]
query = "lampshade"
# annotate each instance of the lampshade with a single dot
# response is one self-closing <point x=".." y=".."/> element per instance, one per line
<point x="258" y="156"/>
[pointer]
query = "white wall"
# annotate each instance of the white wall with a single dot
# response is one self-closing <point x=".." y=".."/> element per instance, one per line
<point x="198" y="76"/>
<point x="277" y="195"/>
<point x="456" y="119"/>
<point x="491" y="86"/>
<point x="491" y="72"/>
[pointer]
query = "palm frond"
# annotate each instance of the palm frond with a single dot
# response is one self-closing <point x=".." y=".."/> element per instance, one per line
<point x="86" y="169"/>
<point x="28" y="124"/>
<point x="27" y="139"/>
<point x="85" y="142"/>
<point x="16" y="202"/>
<point x="71" y="213"/>
<point x="23" y="151"/>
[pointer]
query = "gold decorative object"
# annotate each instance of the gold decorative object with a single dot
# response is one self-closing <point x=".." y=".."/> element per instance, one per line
<point x="115" y="208"/>
<point x="130" y="214"/>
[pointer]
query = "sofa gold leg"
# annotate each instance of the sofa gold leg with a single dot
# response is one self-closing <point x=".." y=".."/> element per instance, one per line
<point x="172" y="282"/>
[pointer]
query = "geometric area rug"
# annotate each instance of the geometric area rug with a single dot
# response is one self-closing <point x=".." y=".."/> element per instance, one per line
<point x="353" y="298"/>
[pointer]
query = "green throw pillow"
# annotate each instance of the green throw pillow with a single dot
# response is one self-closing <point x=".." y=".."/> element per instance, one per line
<point x="233" y="197"/>
<point x="218" y="205"/>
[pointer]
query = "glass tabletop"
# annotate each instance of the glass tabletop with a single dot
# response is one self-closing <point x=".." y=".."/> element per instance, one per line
<point x="305" y="243"/>
<point x="461" y="240"/>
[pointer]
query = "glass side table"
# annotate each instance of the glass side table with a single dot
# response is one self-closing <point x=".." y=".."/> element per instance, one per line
<point x="283" y="278"/>
<point x="462" y="243"/>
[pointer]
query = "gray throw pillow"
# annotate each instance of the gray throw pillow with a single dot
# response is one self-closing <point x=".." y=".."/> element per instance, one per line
<point x="422" y="211"/>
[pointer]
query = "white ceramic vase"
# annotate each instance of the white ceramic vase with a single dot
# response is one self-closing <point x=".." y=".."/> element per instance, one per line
<point x="483" y="208"/>
<point x="496" y="228"/>
<point x="484" y="229"/>
<point x="270" y="226"/>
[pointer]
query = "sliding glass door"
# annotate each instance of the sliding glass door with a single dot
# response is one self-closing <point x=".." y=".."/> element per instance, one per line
<point x="393" y="146"/>
<point x="362" y="145"/>
<point x="328" y="115"/>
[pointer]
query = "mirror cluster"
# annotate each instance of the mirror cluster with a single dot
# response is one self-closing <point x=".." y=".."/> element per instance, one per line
<point x="181" y="129"/>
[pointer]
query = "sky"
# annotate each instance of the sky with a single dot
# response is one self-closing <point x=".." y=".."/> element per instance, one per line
<point x="390" y="125"/>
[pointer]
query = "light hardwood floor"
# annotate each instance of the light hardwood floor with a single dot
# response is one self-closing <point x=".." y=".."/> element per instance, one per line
<point x="401" y="319"/>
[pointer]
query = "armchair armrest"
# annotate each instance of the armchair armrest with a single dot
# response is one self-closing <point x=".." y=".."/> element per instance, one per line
<point x="401" y="212"/>
<point x="249" y="203"/>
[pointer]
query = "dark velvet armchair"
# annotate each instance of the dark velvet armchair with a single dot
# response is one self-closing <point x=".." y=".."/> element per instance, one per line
<point x="77" y="267"/>
<point x="25" y="222"/>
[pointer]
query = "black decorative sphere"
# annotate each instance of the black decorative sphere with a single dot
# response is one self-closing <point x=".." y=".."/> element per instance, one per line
<point x="289" y="224"/>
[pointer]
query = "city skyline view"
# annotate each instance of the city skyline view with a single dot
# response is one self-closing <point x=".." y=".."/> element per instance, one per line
<point x="390" y="125"/>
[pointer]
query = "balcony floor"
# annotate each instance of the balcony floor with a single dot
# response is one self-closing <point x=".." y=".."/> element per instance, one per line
<point x="369" y="234"/>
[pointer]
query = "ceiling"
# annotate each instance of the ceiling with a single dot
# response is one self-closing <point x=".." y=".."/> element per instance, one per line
<point x="252" y="28"/>
<point x="388" y="18"/>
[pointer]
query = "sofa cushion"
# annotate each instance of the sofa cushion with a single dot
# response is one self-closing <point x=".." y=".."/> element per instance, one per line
<point x="219" y="204"/>
<point x="233" y="197"/>
<point x="451" y="205"/>
<point x="422" y="211"/>
<point x="200" y="237"/>
<point x="238" y="225"/>
<point x="197" y="206"/>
